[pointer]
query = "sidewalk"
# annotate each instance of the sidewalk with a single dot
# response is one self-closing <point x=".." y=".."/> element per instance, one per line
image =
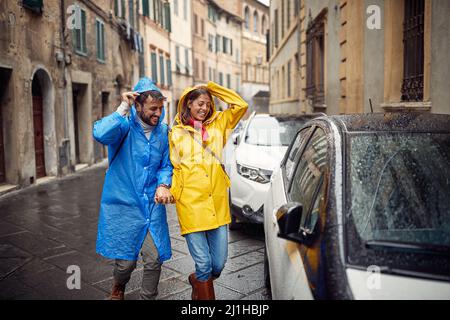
<point x="47" y="228"/>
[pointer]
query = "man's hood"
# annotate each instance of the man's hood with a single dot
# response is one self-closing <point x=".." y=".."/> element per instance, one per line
<point x="146" y="84"/>
<point x="183" y="97"/>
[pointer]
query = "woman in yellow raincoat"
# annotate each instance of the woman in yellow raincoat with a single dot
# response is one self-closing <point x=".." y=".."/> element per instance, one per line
<point x="199" y="183"/>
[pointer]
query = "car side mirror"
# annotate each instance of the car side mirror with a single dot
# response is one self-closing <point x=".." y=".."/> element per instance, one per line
<point x="289" y="217"/>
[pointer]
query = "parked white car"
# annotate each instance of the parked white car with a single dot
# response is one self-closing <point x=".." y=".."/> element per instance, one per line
<point x="359" y="209"/>
<point x="260" y="147"/>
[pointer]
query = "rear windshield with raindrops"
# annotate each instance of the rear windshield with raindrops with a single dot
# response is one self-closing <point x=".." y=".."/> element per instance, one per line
<point x="400" y="187"/>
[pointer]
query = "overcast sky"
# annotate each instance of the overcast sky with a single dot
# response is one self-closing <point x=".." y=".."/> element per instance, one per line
<point x="266" y="2"/>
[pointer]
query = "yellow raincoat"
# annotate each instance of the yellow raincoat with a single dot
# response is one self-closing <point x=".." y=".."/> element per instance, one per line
<point x="199" y="184"/>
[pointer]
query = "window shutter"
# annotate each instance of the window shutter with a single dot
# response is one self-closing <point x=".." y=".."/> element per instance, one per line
<point x="145" y="8"/>
<point x="168" y="25"/>
<point x="154" y="67"/>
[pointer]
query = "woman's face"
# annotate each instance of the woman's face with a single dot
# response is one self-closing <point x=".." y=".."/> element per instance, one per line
<point x="199" y="108"/>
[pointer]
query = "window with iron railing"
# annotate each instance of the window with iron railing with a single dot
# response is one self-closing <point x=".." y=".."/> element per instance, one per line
<point x="413" y="54"/>
<point x="315" y="63"/>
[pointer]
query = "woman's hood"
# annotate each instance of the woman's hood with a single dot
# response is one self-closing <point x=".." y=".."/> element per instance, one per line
<point x="183" y="97"/>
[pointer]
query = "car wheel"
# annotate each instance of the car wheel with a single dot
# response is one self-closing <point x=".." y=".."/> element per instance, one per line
<point x="266" y="272"/>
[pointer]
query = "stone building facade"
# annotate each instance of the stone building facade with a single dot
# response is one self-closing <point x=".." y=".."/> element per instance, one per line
<point x="255" y="66"/>
<point x="361" y="56"/>
<point x="62" y="66"/>
<point x="284" y="45"/>
<point x="181" y="48"/>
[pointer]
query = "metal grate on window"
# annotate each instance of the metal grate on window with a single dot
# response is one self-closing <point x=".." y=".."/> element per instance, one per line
<point x="413" y="41"/>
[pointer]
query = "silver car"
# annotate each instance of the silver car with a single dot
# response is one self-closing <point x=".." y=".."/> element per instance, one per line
<point x="360" y="209"/>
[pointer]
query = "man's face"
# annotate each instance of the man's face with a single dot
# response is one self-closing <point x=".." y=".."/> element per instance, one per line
<point x="151" y="111"/>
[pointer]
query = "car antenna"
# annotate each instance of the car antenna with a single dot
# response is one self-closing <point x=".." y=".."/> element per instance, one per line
<point x="371" y="108"/>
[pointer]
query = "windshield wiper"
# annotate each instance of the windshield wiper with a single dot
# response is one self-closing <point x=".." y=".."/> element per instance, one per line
<point x="408" y="246"/>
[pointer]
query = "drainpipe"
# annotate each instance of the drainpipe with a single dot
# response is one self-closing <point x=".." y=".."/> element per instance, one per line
<point x="64" y="151"/>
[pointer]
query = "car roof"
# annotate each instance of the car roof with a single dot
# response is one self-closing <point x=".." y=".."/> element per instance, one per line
<point x="288" y="116"/>
<point x="395" y="121"/>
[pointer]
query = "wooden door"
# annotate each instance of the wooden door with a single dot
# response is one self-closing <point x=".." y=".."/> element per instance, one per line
<point x="2" y="151"/>
<point x="38" y="136"/>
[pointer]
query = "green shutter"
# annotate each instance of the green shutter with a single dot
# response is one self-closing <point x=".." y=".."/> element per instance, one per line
<point x="162" y="69"/>
<point x="103" y="43"/>
<point x="145" y="8"/>
<point x="116" y="7"/>
<point x="168" y="25"/>
<point x="154" y="67"/>
<point x="83" y="32"/>
<point x="100" y="33"/>
<point x="123" y="8"/>
<point x="169" y="72"/>
<point x="97" y="38"/>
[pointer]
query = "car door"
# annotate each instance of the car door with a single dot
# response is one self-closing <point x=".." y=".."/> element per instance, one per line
<point x="308" y="187"/>
<point x="278" y="258"/>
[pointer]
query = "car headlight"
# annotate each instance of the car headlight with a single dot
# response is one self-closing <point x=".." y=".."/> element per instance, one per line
<point x="254" y="174"/>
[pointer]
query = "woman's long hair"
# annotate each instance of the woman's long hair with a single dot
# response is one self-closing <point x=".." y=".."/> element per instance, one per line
<point x="190" y="97"/>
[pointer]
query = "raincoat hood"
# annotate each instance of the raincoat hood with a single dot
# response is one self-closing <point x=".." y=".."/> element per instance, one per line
<point x="143" y="85"/>
<point x="183" y="97"/>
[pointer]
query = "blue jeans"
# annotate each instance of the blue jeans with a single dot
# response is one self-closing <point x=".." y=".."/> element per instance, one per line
<point x="209" y="249"/>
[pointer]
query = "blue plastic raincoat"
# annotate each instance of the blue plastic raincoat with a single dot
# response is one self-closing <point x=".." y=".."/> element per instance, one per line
<point x="128" y="210"/>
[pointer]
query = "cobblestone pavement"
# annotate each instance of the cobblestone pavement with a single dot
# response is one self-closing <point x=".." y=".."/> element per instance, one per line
<point x="45" y="229"/>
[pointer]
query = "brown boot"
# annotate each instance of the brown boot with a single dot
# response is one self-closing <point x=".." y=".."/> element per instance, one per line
<point x="192" y="280"/>
<point x="117" y="292"/>
<point x="205" y="290"/>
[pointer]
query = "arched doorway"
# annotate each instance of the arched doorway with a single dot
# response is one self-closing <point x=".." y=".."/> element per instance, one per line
<point x="43" y="124"/>
<point x="38" y="129"/>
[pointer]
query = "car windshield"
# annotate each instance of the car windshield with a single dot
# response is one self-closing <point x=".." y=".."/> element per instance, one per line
<point x="272" y="131"/>
<point x="400" y="187"/>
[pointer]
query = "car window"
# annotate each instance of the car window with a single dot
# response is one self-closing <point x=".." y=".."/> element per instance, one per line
<point x="293" y="152"/>
<point x="272" y="131"/>
<point x="399" y="187"/>
<point x="309" y="219"/>
<point x="309" y="173"/>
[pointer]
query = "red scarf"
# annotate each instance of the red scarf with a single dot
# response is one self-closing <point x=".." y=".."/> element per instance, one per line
<point x="197" y="125"/>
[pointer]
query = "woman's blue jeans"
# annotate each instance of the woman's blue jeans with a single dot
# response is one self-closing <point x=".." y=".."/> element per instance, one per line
<point x="209" y="249"/>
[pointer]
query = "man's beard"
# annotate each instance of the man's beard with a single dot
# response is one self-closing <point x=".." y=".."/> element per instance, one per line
<point x="147" y="120"/>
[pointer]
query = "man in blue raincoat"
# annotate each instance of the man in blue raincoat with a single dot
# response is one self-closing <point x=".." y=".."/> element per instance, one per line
<point x="132" y="213"/>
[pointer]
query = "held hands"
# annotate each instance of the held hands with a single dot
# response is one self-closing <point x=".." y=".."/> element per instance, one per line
<point x="163" y="196"/>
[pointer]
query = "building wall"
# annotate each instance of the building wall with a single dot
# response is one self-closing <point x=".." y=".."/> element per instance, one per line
<point x="255" y="67"/>
<point x="31" y="49"/>
<point x="373" y="62"/>
<point x="364" y="66"/>
<point x="440" y="62"/>
<point x="27" y="44"/>
<point x="333" y="54"/>
<point x="200" y="42"/>
<point x="283" y="100"/>
<point x="181" y="37"/>
<point x="157" y="40"/>
<point x="227" y="63"/>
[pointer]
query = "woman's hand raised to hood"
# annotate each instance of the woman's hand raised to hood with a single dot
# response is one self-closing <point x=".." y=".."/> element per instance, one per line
<point x="226" y="95"/>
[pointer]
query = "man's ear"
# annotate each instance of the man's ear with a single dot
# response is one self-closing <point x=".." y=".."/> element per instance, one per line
<point x="137" y="106"/>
